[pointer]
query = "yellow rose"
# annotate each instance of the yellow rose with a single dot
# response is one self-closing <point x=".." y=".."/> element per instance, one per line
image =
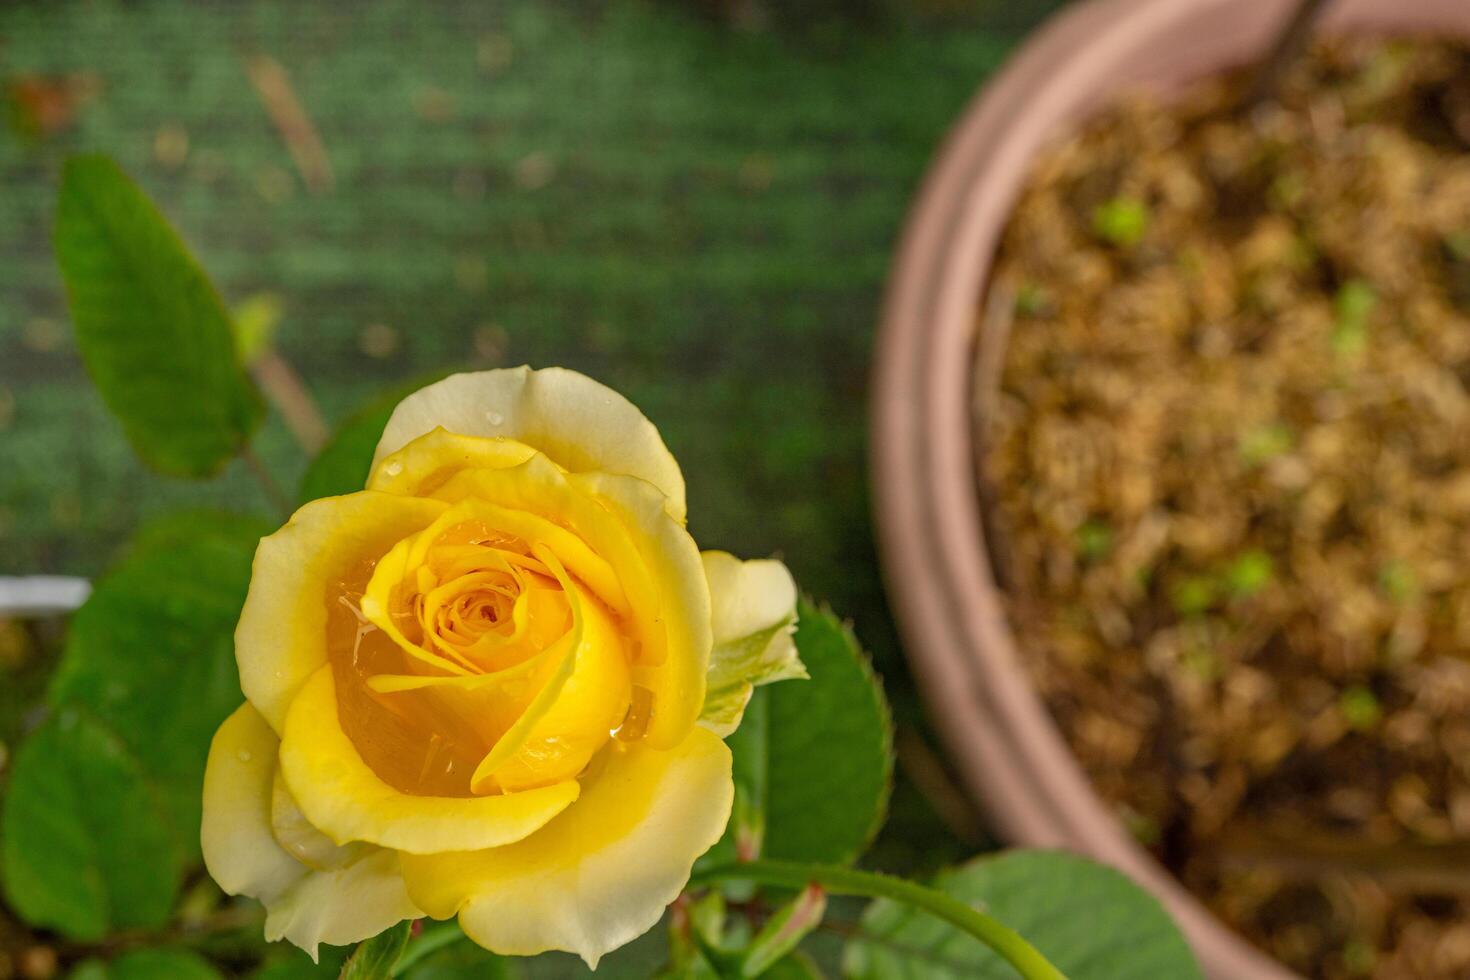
<point x="493" y="684"/>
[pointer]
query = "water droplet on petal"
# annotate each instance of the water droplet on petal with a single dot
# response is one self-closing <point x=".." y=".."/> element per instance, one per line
<point x="494" y="417"/>
<point x="393" y="468"/>
<point x="244" y="755"/>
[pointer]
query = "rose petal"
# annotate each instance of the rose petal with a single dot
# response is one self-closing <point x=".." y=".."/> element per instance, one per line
<point x="599" y="875"/>
<point x="672" y="558"/>
<point x="281" y="639"/>
<point x="347" y="801"/>
<point x="581" y="424"/>
<point x="421" y="465"/>
<point x="356" y="900"/>
<point x="240" y="851"/>
<point x="342" y="907"/>
<point x="753" y="605"/>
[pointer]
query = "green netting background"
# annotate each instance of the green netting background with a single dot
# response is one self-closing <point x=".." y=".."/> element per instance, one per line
<point x="698" y="214"/>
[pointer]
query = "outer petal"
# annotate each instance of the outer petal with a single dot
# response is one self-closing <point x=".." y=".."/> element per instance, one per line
<point x="344" y="906"/>
<point x="240" y="851"/>
<point x="753" y="607"/>
<point x="599" y="875"/>
<point x="346" y="800"/>
<point x="581" y="424"/>
<point x="747" y="596"/>
<point x="678" y="684"/>
<point x="359" y="899"/>
<point x="281" y="638"/>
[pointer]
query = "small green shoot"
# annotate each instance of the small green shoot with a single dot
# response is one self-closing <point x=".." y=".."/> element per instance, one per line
<point x="1360" y="708"/>
<point x="1353" y="305"/>
<point x="1249" y="574"/>
<point x="1122" y="221"/>
<point x="1094" y="540"/>
<point x="1264" y="443"/>
<point x="1195" y="595"/>
<point x="1398" y="581"/>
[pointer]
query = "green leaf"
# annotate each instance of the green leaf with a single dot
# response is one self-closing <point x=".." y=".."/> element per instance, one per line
<point x="151" y="328"/>
<point x="1090" y="921"/>
<point x="749" y="744"/>
<point x="151" y="652"/>
<point x="829" y="749"/>
<point x="88" y="847"/>
<point x="150" y="964"/>
<point x="374" y="958"/>
<point x="342" y="465"/>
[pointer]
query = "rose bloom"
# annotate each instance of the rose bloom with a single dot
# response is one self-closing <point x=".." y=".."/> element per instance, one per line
<point x="493" y="684"/>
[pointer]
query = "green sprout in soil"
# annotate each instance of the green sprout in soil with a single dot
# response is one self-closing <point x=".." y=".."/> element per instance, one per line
<point x="1121" y="221"/>
<point x="1352" y="306"/>
<point x="1094" y="540"/>
<point x="1194" y="596"/>
<point x="1202" y="662"/>
<point x="1249" y="574"/>
<point x="1032" y="299"/>
<point x="1264" y="443"/>
<point x="1398" y="581"/>
<point x="1360" y="708"/>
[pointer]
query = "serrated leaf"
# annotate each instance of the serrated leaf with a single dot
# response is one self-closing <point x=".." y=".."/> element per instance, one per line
<point x="830" y="749"/>
<point x="149" y="964"/>
<point x="1090" y="921"/>
<point x="375" y="958"/>
<point x="88" y="847"/>
<point x="151" y="652"/>
<point x="153" y="332"/>
<point x="813" y="759"/>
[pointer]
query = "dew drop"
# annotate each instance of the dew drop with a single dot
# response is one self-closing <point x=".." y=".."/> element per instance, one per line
<point x="494" y="417"/>
<point x="393" y="469"/>
<point x="244" y="755"/>
<point x="640" y="712"/>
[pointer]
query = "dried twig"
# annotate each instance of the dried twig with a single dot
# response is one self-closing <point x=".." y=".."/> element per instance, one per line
<point x="283" y="386"/>
<point x="291" y="121"/>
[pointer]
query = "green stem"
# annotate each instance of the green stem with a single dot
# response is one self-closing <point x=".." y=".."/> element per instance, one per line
<point x="434" y="938"/>
<point x="1006" y="942"/>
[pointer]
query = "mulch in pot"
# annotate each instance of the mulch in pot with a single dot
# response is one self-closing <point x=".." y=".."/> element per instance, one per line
<point x="1228" y="463"/>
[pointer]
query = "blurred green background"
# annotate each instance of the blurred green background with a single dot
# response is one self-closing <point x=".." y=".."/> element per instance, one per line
<point x="694" y="203"/>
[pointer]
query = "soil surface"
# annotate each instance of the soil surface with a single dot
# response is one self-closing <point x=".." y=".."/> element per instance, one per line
<point x="1229" y="456"/>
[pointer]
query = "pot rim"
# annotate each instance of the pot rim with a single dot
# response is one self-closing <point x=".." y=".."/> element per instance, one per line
<point x="926" y="506"/>
<point x="42" y="595"/>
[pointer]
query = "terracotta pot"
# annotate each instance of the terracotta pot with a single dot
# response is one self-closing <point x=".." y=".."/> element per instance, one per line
<point x="998" y="731"/>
